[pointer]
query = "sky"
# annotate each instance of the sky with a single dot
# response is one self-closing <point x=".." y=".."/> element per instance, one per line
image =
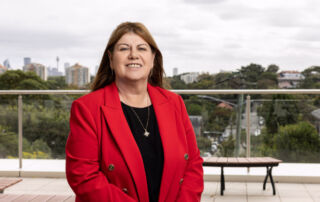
<point x="193" y="35"/>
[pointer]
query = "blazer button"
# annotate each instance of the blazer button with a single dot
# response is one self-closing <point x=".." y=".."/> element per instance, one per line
<point x="111" y="167"/>
<point x="181" y="180"/>
<point x="125" y="190"/>
<point x="186" y="156"/>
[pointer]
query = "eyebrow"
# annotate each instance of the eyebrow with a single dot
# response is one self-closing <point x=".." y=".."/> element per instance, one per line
<point x="129" y="45"/>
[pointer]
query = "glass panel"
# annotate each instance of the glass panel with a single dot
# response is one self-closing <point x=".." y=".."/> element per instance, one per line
<point x="286" y="127"/>
<point x="46" y="126"/>
<point x="8" y="131"/>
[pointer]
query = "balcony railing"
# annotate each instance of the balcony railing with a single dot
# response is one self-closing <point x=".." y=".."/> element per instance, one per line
<point x="229" y="131"/>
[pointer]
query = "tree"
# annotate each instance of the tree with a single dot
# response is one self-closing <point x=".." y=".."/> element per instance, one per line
<point x="273" y="68"/>
<point x="251" y="74"/>
<point x="57" y="83"/>
<point x="17" y="79"/>
<point x="312" y="77"/>
<point x="298" y="143"/>
<point x="279" y="112"/>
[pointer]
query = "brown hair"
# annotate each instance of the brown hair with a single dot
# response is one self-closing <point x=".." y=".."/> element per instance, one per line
<point x="105" y="75"/>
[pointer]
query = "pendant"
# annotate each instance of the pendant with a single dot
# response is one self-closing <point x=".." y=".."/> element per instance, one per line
<point x="146" y="133"/>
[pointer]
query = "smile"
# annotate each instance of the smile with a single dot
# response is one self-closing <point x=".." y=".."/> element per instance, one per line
<point x="134" y="65"/>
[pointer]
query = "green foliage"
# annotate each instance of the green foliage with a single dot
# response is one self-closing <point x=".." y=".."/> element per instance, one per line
<point x="177" y="83"/>
<point x="279" y="112"/>
<point x="204" y="144"/>
<point x="205" y="81"/>
<point x="294" y="143"/>
<point x="312" y="78"/>
<point x="226" y="148"/>
<point x="57" y="83"/>
<point x="273" y="68"/>
<point x="17" y="79"/>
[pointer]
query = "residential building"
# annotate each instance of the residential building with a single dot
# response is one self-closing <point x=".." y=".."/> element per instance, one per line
<point x="77" y="75"/>
<point x="39" y="69"/>
<point x="189" y="77"/>
<point x="289" y="79"/>
<point x="2" y="69"/>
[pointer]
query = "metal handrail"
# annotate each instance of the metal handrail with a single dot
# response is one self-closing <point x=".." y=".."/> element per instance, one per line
<point x="182" y="91"/>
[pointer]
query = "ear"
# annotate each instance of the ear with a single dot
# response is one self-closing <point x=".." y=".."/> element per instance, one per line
<point x="109" y="55"/>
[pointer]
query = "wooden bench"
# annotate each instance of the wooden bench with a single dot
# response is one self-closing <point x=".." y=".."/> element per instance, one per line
<point x="36" y="198"/>
<point x="7" y="182"/>
<point x="222" y="162"/>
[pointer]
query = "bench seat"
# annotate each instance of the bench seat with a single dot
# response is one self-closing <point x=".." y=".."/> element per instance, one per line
<point x="222" y="162"/>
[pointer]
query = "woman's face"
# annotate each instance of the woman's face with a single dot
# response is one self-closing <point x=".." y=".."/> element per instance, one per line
<point x="132" y="58"/>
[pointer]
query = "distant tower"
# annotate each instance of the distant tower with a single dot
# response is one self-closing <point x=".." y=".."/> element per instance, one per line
<point x="175" y="71"/>
<point x="26" y="61"/>
<point x="6" y="63"/>
<point x="57" y="62"/>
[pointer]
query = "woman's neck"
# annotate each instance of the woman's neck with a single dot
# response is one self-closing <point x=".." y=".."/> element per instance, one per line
<point x="134" y="94"/>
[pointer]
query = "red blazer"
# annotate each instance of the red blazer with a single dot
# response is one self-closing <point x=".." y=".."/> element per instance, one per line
<point x="103" y="161"/>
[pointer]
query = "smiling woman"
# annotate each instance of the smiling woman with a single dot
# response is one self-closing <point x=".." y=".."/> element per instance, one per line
<point x="130" y="139"/>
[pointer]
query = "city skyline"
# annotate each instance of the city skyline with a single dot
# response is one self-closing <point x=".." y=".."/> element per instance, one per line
<point x="193" y="35"/>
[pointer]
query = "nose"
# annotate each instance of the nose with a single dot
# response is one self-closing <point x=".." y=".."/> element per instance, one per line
<point x="133" y="54"/>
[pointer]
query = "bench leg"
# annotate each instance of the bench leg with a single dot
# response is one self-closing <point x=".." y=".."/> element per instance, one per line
<point x="265" y="179"/>
<point x="222" y="183"/>
<point x="269" y="174"/>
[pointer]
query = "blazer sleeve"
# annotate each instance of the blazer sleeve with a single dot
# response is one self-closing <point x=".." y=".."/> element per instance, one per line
<point x="82" y="160"/>
<point x="192" y="185"/>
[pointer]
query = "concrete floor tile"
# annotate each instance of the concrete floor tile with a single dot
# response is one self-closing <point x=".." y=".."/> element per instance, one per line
<point x="263" y="198"/>
<point x="231" y="198"/>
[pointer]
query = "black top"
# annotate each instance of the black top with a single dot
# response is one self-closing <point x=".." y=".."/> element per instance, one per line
<point x="150" y="147"/>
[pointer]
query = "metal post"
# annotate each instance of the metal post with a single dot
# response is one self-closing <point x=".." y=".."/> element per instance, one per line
<point x="238" y="135"/>
<point x="248" y="112"/>
<point x="20" y="117"/>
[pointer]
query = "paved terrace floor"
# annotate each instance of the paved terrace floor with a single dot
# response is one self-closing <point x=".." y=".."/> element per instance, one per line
<point x="294" y="182"/>
<point x="235" y="191"/>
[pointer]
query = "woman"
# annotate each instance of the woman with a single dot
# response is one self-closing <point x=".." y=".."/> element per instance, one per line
<point x="131" y="140"/>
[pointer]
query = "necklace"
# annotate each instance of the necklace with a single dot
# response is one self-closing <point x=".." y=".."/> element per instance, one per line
<point x="146" y="132"/>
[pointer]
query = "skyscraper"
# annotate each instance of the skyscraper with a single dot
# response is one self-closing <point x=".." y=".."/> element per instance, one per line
<point x="77" y="75"/>
<point x="175" y="71"/>
<point x="26" y="61"/>
<point x="39" y="69"/>
<point x="6" y="63"/>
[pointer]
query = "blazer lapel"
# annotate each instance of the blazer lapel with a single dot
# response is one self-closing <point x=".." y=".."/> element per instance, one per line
<point x="121" y="132"/>
<point x="166" y="119"/>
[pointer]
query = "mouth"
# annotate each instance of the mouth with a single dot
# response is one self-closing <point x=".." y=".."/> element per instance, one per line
<point x="134" y="65"/>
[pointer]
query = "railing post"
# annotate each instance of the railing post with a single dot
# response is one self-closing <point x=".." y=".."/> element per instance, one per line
<point x="20" y="117"/>
<point x="248" y="112"/>
<point x="238" y="122"/>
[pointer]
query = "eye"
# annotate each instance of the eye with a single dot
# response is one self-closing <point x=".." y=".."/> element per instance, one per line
<point x="123" y="48"/>
<point x="142" y="48"/>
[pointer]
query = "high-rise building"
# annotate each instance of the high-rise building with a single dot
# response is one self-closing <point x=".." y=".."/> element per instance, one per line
<point x="175" y="71"/>
<point x="2" y="69"/>
<point x="39" y="69"/>
<point x="77" y="75"/>
<point x="189" y="77"/>
<point x="26" y="61"/>
<point x="6" y="63"/>
<point x="53" y="71"/>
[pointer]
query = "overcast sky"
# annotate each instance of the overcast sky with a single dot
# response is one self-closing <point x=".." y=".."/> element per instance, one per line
<point x="193" y="35"/>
